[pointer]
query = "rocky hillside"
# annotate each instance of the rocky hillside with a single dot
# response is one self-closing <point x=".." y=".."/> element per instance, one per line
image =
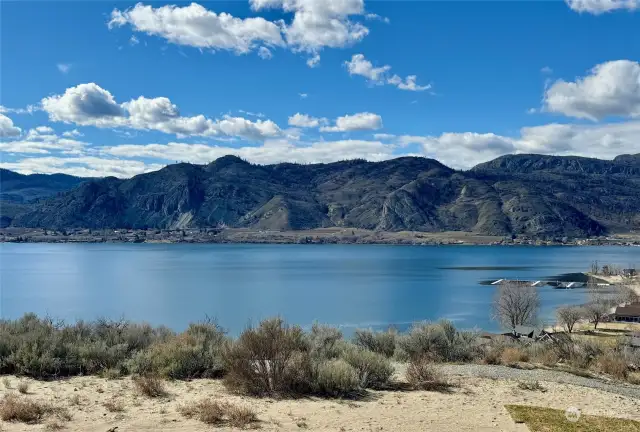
<point x="517" y="194"/>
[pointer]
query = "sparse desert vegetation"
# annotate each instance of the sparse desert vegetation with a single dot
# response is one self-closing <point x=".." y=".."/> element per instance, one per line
<point x="271" y="361"/>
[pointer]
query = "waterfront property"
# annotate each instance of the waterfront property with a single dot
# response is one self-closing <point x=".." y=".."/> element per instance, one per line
<point x="629" y="313"/>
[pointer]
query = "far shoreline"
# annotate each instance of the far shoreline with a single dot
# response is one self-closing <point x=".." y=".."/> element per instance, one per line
<point x="334" y="235"/>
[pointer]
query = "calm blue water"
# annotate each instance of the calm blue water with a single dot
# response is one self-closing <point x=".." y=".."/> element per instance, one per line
<point x="348" y="285"/>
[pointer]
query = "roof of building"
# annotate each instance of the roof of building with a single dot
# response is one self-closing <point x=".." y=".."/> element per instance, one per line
<point x="630" y="310"/>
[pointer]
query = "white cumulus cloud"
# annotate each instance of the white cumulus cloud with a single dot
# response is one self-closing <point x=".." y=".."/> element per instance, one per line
<point x="316" y="24"/>
<point x="359" y="65"/>
<point x="195" y="26"/>
<point x="91" y="105"/>
<point x="81" y="166"/>
<point x="306" y="121"/>
<point x="355" y="122"/>
<point x="597" y="7"/>
<point x="611" y="89"/>
<point x="7" y="129"/>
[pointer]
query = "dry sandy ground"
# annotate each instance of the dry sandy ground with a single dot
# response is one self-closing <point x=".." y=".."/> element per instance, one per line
<point x="476" y="405"/>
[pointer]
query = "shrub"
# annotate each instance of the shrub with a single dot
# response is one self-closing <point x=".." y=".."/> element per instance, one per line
<point x="197" y="353"/>
<point x="240" y="416"/>
<point x="531" y="386"/>
<point x="325" y="342"/>
<point x="21" y="409"/>
<point x="217" y="413"/>
<point x="374" y="370"/>
<point x="492" y="354"/>
<point x="42" y="348"/>
<point x="336" y="378"/>
<point x="270" y="359"/>
<point x="23" y="387"/>
<point x="614" y="364"/>
<point x="379" y="342"/>
<point x="150" y="386"/>
<point x="114" y="405"/>
<point x="440" y="342"/>
<point x="542" y="353"/>
<point x="422" y="374"/>
<point x="511" y="356"/>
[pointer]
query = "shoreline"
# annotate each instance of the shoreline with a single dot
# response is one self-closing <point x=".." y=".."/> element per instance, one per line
<point x="335" y="235"/>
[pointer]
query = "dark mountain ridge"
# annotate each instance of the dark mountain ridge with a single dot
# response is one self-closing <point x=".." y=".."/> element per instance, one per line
<point x="534" y="195"/>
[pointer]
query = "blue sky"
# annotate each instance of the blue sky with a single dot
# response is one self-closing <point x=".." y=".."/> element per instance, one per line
<point x="98" y="88"/>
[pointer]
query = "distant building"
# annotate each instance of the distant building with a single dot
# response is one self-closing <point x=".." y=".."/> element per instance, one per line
<point x="629" y="272"/>
<point x="630" y="313"/>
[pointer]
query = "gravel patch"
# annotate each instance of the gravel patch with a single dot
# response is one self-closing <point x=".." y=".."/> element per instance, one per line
<point x="503" y="372"/>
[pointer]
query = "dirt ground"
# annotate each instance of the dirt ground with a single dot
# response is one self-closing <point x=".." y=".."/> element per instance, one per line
<point x="475" y="404"/>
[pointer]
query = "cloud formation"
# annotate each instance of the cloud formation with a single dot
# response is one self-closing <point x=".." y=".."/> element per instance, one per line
<point x="355" y="122"/>
<point x="598" y="7"/>
<point x="611" y="89"/>
<point x="91" y="105"/>
<point x="306" y="121"/>
<point x="81" y="166"/>
<point x="7" y="129"/>
<point x="316" y="24"/>
<point x="359" y="65"/>
<point x="43" y="140"/>
<point x="64" y="67"/>
<point x="273" y="151"/>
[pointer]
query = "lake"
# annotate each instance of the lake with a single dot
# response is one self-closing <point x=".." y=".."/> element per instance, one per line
<point x="347" y="285"/>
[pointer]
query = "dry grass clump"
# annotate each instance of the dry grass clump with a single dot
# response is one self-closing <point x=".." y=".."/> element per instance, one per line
<point x="531" y="386"/>
<point x="150" y="386"/>
<point x="614" y="364"/>
<point x="23" y="387"/>
<point x="423" y="374"/>
<point x="21" y="409"/>
<point x="15" y="408"/>
<point x="512" y="356"/>
<point x="114" y="405"/>
<point x="219" y="413"/>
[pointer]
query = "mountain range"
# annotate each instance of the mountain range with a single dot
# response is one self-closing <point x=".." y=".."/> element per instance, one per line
<point x="523" y="194"/>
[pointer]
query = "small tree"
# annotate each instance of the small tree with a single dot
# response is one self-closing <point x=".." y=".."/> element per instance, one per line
<point x="627" y="294"/>
<point x="598" y="307"/>
<point x="516" y="305"/>
<point x="569" y="316"/>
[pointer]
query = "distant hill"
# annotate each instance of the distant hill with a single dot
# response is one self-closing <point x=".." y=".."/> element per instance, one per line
<point x="20" y="188"/>
<point x="516" y="194"/>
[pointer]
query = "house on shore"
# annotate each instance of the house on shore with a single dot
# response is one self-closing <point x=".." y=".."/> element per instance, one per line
<point x="629" y="313"/>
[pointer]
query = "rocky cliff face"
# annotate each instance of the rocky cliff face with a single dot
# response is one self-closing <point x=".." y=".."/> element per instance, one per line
<point x="519" y="194"/>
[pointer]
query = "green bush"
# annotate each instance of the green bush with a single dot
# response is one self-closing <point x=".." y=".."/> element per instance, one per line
<point x="336" y="378"/>
<point x="374" y="370"/>
<point x="196" y="353"/>
<point x="439" y="342"/>
<point x="325" y="342"/>
<point x="379" y="342"/>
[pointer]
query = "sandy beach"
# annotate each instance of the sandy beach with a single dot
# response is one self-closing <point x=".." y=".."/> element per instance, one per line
<point x="475" y="404"/>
